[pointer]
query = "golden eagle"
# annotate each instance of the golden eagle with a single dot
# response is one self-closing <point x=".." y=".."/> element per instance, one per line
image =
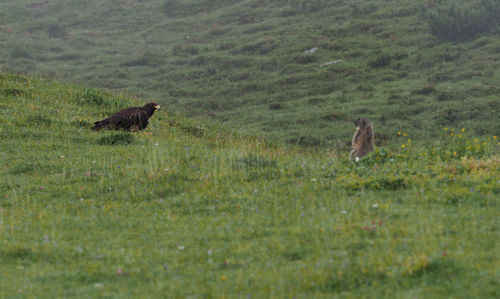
<point x="131" y="119"/>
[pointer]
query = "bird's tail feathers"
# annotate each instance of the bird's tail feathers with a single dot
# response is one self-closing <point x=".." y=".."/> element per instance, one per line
<point x="99" y="125"/>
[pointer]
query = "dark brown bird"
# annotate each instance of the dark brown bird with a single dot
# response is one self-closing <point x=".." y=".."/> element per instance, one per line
<point x="131" y="119"/>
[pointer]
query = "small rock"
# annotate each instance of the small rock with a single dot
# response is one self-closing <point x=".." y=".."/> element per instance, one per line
<point x="312" y="50"/>
<point x="331" y="62"/>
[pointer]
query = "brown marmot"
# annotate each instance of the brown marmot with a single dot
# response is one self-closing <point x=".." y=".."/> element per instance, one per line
<point x="362" y="141"/>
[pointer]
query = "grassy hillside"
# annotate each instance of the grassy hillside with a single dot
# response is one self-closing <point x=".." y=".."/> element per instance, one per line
<point x="290" y="70"/>
<point x="186" y="209"/>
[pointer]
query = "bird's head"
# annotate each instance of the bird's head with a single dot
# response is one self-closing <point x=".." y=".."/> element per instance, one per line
<point x="157" y="106"/>
<point x="152" y="105"/>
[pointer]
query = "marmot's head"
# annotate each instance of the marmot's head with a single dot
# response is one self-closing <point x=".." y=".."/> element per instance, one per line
<point x="362" y="122"/>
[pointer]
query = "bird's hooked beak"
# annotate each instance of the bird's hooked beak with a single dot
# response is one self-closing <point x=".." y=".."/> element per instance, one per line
<point x="157" y="107"/>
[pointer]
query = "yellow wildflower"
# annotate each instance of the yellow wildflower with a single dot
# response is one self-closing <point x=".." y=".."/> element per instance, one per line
<point x="223" y="277"/>
<point x="463" y="130"/>
<point x="446" y="129"/>
<point x="402" y="146"/>
<point x="399" y="133"/>
<point x="404" y="134"/>
<point x="494" y="137"/>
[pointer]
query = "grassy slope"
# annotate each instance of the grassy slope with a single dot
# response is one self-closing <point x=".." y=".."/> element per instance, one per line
<point x="189" y="210"/>
<point x="243" y="62"/>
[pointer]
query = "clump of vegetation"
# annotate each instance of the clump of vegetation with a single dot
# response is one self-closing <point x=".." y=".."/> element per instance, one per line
<point x="56" y="31"/>
<point x="147" y="59"/>
<point x="425" y="90"/>
<point x="276" y="106"/>
<point x="39" y="120"/>
<point x="307" y="6"/>
<point x="384" y="58"/>
<point x="95" y="97"/>
<point x="183" y="50"/>
<point x="19" y="52"/>
<point x="306" y="58"/>
<point x="11" y="91"/>
<point x="459" y="20"/>
<point x="253" y="161"/>
<point x="183" y="8"/>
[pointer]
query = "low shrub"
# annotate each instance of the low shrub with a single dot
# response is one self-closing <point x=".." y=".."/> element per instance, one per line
<point x="454" y="20"/>
<point x="95" y="97"/>
<point x="306" y="6"/>
<point x="56" y="31"/>
<point x="306" y="58"/>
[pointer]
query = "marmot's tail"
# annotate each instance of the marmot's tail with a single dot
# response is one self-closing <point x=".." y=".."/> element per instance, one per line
<point x="99" y="125"/>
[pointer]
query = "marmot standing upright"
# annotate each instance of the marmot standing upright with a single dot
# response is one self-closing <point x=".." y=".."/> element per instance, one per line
<point x="362" y="141"/>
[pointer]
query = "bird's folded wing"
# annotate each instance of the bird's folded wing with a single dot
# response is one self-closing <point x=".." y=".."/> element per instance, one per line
<point x="133" y="115"/>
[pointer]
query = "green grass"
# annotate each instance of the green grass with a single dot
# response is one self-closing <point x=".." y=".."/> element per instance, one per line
<point x="189" y="209"/>
<point x="407" y="65"/>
